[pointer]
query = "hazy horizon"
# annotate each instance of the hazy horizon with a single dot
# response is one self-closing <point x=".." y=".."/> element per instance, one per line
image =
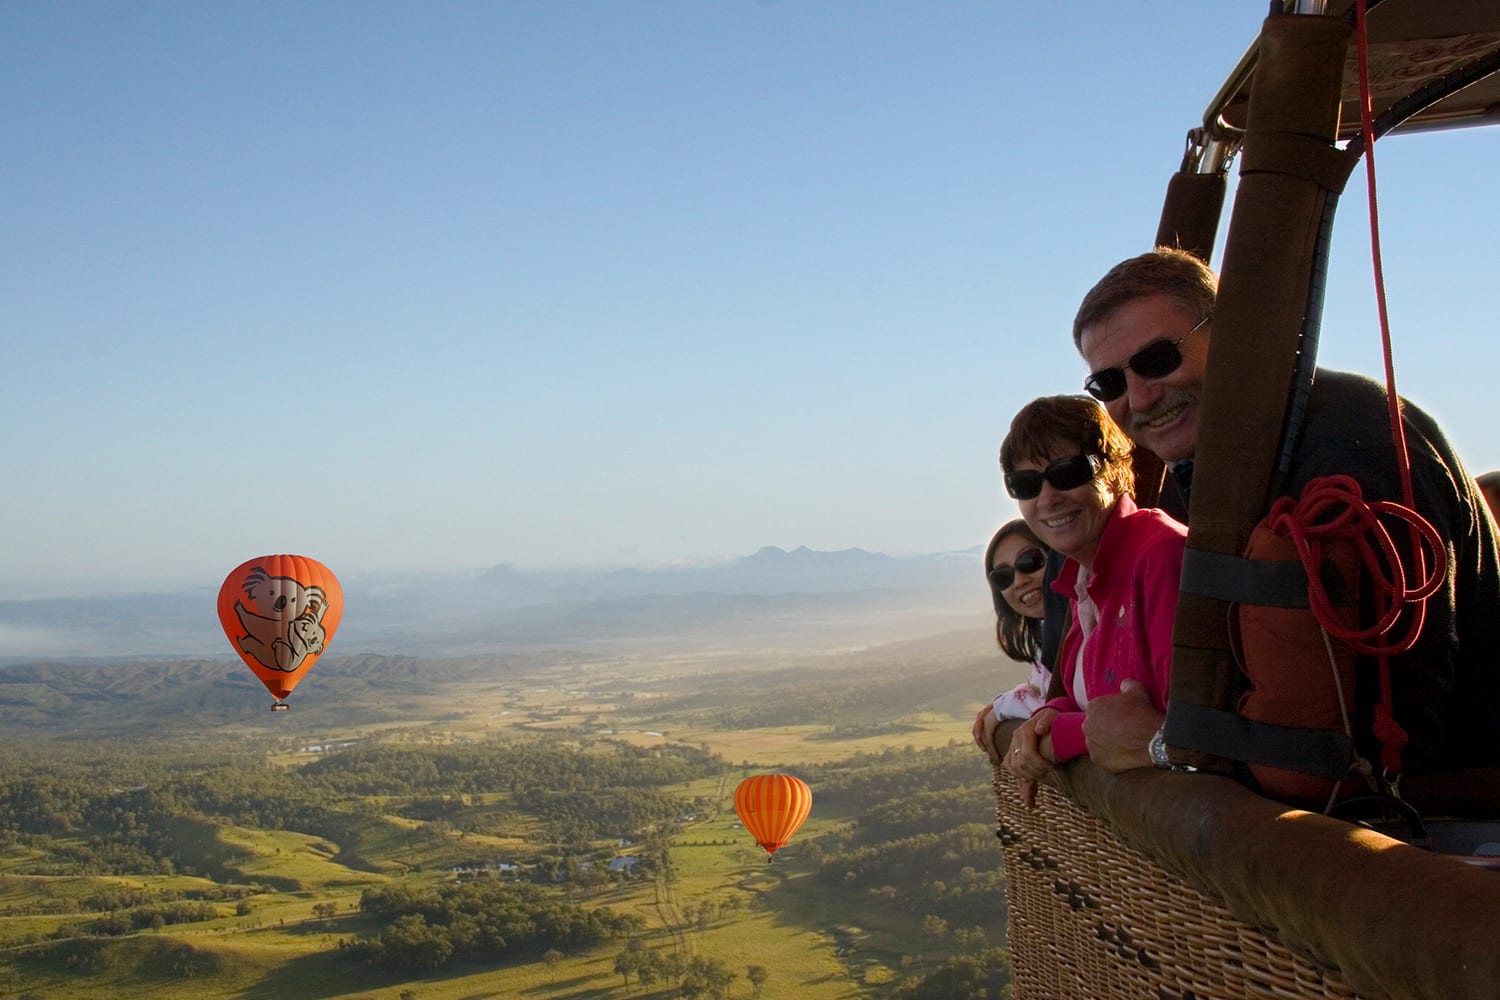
<point x="75" y="589"/>
<point x="771" y="597"/>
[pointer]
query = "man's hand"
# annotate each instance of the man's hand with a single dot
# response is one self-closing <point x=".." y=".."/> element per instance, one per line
<point x="1030" y="755"/>
<point x="1118" y="728"/>
<point x="985" y="725"/>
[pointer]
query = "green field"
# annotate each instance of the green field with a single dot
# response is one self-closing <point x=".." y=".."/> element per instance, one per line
<point x="284" y="899"/>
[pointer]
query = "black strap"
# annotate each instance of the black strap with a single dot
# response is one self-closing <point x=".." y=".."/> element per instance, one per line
<point x="1266" y="583"/>
<point x="1320" y="752"/>
<point x="1236" y="580"/>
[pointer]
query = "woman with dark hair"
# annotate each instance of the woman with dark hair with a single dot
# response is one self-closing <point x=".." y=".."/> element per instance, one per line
<point x="1014" y="565"/>
<point x="1067" y="465"/>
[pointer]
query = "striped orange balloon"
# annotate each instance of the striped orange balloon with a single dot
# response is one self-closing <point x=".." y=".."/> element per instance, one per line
<point x="772" y="807"/>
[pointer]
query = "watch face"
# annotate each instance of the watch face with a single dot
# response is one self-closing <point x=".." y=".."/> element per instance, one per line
<point x="1159" y="749"/>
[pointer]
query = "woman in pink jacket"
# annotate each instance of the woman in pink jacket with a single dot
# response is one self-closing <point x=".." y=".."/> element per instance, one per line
<point x="1068" y="467"/>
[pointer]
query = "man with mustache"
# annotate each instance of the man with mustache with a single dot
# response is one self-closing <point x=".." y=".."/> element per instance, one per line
<point x="1144" y="331"/>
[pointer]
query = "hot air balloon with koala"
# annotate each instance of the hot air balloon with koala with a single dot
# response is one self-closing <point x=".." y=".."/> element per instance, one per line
<point x="280" y="613"/>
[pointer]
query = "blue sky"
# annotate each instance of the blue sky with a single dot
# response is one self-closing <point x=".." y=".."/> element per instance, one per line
<point x="444" y="285"/>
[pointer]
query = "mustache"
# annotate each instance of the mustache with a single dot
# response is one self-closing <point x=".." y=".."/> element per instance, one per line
<point x="1169" y="401"/>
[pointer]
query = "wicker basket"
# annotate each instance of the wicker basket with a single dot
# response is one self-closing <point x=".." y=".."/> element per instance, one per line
<point x="1226" y="895"/>
<point x="1092" y="917"/>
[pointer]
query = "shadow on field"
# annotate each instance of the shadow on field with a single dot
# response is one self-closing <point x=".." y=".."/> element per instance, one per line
<point x="326" y="975"/>
<point x="573" y="988"/>
<point x="595" y="993"/>
<point x="312" y="977"/>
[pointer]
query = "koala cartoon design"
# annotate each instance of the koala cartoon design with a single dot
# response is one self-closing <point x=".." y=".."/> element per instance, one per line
<point x="283" y="621"/>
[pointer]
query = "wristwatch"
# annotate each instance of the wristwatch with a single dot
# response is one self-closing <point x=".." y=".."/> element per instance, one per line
<point x="1158" y="748"/>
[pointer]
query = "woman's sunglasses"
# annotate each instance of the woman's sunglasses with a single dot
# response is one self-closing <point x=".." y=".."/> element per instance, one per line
<point x="1155" y="360"/>
<point x="1028" y="560"/>
<point x="1063" y="474"/>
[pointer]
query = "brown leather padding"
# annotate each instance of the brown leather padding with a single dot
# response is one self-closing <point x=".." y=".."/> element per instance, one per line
<point x="1190" y="213"/>
<point x="1264" y="292"/>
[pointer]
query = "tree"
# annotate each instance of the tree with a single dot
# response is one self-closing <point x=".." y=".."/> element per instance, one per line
<point x="553" y="958"/>
<point x="982" y="976"/>
<point x="706" y="977"/>
<point x="757" y="975"/>
<point x="972" y="939"/>
<point x="408" y="943"/>
<point x="630" y="959"/>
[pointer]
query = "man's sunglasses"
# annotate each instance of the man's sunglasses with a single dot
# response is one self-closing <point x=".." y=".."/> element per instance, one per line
<point x="1158" y="358"/>
<point x="1028" y="560"/>
<point x="1063" y="474"/>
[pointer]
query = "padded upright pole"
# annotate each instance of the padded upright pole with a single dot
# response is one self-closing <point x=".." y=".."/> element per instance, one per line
<point x="1190" y="213"/>
<point x="1289" y="169"/>
<point x="1189" y="221"/>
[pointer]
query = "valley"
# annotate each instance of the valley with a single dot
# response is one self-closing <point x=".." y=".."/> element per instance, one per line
<point x="178" y="840"/>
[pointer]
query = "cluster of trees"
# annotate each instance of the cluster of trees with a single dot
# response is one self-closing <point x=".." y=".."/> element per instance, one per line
<point x="696" y="977"/>
<point x="917" y="843"/>
<point x="91" y="825"/>
<point x="125" y="811"/>
<point x="120" y="897"/>
<point x="603" y="788"/>
<point x="478" y="921"/>
<point x="139" y="918"/>
<point x="510" y="766"/>
<point x="600" y="812"/>
<point x="868" y="782"/>
<point x="984" y="975"/>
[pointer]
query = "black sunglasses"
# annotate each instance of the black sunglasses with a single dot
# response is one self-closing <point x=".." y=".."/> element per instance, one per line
<point x="1158" y="358"/>
<point x="1063" y="474"/>
<point x="1028" y="560"/>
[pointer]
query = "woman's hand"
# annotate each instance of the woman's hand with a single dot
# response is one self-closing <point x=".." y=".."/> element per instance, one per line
<point x="985" y="724"/>
<point x="1030" y="755"/>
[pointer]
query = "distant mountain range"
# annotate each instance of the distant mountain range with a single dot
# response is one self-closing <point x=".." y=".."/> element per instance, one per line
<point x="771" y="598"/>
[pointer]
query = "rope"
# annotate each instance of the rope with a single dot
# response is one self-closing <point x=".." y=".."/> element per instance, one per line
<point x="1332" y="509"/>
<point x="1387" y="730"/>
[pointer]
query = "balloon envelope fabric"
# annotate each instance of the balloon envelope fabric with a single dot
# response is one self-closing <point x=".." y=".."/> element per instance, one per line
<point x="280" y="613"/>
<point x="772" y="807"/>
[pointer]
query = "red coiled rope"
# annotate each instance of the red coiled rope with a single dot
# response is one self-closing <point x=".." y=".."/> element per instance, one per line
<point x="1333" y="509"/>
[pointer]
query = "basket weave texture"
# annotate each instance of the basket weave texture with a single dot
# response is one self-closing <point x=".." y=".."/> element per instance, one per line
<point x="1090" y="917"/>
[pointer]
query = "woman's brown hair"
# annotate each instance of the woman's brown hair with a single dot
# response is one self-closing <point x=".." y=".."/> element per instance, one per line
<point x="1061" y="426"/>
<point x="1019" y="637"/>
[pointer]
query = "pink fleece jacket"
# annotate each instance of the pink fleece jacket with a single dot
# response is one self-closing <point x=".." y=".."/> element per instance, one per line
<point x="1136" y="571"/>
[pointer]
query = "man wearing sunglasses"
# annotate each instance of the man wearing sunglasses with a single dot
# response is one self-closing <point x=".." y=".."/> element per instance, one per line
<point x="1144" y="332"/>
